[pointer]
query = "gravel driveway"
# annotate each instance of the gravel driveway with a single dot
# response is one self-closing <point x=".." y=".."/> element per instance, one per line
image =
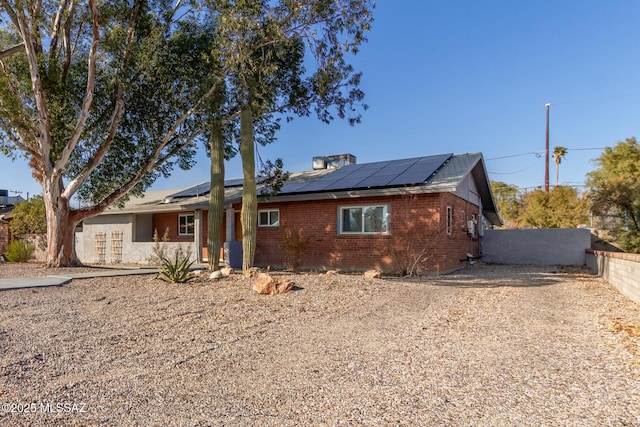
<point x="488" y="346"/>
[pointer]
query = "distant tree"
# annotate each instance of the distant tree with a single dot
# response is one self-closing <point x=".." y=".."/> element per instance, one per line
<point x="29" y="217"/>
<point x="615" y="188"/>
<point x="559" y="153"/>
<point x="562" y="207"/>
<point x="509" y="203"/>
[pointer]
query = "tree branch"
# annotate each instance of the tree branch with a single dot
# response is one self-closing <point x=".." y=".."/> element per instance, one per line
<point x="11" y="12"/>
<point x="8" y="52"/>
<point x="97" y="157"/>
<point x="88" y="97"/>
<point x="53" y="44"/>
<point x="44" y="124"/>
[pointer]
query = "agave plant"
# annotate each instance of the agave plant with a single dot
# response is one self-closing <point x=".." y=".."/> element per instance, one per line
<point x="176" y="269"/>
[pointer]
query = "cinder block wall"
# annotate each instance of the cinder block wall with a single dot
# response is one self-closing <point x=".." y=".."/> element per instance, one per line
<point x="620" y="269"/>
<point x="550" y="246"/>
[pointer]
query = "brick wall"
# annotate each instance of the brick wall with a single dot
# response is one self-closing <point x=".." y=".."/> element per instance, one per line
<point x="416" y="227"/>
<point x="164" y="221"/>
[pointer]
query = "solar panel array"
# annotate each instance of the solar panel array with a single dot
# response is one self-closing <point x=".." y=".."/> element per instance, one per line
<point x="391" y="173"/>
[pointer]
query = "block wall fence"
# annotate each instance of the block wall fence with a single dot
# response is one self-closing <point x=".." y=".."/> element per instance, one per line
<point x="620" y="269"/>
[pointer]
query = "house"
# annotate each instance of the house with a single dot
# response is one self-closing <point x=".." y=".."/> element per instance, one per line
<point x="7" y="203"/>
<point x="426" y="213"/>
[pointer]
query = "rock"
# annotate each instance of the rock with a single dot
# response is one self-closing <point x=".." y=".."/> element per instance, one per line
<point x="266" y="284"/>
<point x="226" y="271"/>
<point x="197" y="273"/>
<point x="284" y="286"/>
<point x="372" y="274"/>
<point x="216" y="275"/>
<point x="332" y="273"/>
<point x="251" y="273"/>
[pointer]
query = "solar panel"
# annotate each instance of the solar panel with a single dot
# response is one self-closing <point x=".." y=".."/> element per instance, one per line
<point x="374" y="175"/>
<point x="387" y="173"/>
<point x="196" y="190"/>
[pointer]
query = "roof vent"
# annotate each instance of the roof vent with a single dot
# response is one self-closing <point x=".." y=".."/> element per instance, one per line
<point x="333" y="162"/>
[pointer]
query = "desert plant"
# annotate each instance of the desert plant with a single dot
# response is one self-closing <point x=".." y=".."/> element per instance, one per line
<point x="19" y="251"/>
<point x="175" y="268"/>
<point x="159" y="247"/>
<point x="294" y="246"/>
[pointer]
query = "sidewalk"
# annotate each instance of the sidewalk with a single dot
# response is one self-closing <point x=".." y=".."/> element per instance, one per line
<point x="41" y="282"/>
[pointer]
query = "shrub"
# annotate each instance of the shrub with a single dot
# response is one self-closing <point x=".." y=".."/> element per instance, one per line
<point x="159" y="249"/>
<point x="19" y="251"/>
<point x="294" y="245"/>
<point x="175" y="269"/>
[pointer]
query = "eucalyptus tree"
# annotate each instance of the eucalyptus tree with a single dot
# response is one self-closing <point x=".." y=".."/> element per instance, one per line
<point x="262" y="47"/>
<point x="102" y="98"/>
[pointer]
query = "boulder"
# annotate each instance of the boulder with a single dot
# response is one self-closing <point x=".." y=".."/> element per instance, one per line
<point x="226" y="271"/>
<point x="332" y="273"/>
<point x="216" y="275"/>
<point x="268" y="285"/>
<point x="372" y="274"/>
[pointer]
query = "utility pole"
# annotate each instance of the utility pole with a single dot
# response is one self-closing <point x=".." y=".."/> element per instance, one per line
<point x="546" y="155"/>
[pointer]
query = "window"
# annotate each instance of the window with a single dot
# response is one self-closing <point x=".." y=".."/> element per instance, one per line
<point x="269" y="218"/>
<point x="449" y="220"/>
<point x="186" y="225"/>
<point x="364" y="219"/>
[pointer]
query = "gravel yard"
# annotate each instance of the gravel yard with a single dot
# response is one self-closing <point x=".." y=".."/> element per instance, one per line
<point x="487" y="346"/>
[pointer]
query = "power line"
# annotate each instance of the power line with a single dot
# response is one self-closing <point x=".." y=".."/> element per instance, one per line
<point x="539" y="154"/>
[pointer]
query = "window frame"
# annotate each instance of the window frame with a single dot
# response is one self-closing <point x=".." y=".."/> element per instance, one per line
<point x="269" y="212"/>
<point x="386" y="212"/>
<point x="186" y="226"/>
<point x="449" y="219"/>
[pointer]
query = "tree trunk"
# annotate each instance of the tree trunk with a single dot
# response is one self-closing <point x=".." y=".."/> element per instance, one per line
<point x="216" y="197"/>
<point x="61" y="224"/>
<point x="249" y="215"/>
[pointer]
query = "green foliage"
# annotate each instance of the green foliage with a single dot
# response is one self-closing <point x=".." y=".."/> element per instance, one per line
<point x="29" y="218"/>
<point x="272" y="178"/>
<point x="294" y="246"/>
<point x="509" y="203"/>
<point x="19" y="251"/>
<point x="562" y="207"/>
<point x="615" y="188"/>
<point x="176" y="268"/>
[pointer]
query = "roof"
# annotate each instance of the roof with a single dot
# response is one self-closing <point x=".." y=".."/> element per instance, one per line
<point x="427" y="174"/>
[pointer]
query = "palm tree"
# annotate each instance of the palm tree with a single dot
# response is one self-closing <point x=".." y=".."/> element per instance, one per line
<point x="559" y="153"/>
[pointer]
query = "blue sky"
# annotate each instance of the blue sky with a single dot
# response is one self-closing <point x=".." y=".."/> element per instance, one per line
<point x="465" y="76"/>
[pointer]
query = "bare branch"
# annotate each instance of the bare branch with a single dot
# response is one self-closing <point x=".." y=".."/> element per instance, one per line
<point x="8" y="52"/>
<point x="97" y="157"/>
<point x="44" y="124"/>
<point x="11" y="12"/>
<point x="66" y="39"/>
<point x="88" y="97"/>
<point x="53" y="44"/>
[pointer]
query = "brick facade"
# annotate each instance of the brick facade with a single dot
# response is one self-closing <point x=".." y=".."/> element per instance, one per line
<point x="417" y="229"/>
<point x="169" y="221"/>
